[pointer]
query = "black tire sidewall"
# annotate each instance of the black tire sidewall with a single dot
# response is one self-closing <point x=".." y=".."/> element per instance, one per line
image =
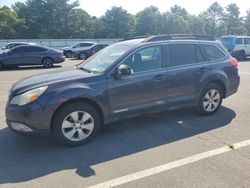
<point x="68" y="52"/>
<point x="65" y="111"/>
<point x="51" y="64"/>
<point x="82" y="53"/>
<point x="241" y="56"/>
<point x="209" y="87"/>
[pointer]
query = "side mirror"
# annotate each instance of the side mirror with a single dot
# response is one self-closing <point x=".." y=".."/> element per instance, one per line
<point x="124" y="70"/>
<point x="3" y="48"/>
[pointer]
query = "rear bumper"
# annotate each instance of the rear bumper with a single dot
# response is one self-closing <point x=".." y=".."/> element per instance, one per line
<point x="234" y="85"/>
<point x="59" y="59"/>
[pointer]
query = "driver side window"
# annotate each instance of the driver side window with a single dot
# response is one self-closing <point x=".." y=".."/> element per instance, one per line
<point x="146" y="59"/>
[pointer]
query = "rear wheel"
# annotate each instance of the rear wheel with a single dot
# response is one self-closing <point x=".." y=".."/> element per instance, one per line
<point x="210" y="99"/>
<point x="241" y="56"/>
<point x="76" y="124"/>
<point x="48" y="63"/>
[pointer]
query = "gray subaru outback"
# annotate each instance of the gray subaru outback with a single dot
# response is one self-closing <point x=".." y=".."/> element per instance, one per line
<point x="127" y="78"/>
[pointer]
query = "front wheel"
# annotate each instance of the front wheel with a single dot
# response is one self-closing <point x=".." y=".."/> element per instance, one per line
<point x="210" y="100"/>
<point x="76" y="124"/>
<point x="83" y="56"/>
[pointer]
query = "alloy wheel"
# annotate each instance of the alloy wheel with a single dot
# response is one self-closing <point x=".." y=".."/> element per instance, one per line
<point x="77" y="126"/>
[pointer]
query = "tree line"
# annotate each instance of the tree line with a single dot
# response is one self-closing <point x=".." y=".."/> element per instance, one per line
<point x="64" y="19"/>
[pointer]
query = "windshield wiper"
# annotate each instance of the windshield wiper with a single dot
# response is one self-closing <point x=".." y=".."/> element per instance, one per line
<point x="86" y="70"/>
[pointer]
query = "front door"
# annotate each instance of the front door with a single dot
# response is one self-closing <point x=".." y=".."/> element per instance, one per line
<point x="16" y="56"/>
<point x="144" y="89"/>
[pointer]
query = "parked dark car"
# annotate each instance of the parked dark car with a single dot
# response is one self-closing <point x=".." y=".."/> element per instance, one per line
<point x="124" y="79"/>
<point x="84" y="53"/>
<point x="68" y="51"/>
<point x="15" y="44"/>
<point x="30" y="55"/>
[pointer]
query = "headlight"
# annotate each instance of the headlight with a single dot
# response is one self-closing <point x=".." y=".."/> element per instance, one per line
<point x="28" y="96"/>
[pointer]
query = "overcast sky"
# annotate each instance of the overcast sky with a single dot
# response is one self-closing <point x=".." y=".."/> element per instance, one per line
<point x="98" y="7"/>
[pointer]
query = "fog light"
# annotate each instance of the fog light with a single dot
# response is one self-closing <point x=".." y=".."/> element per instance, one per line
<point x="20" y="127"/>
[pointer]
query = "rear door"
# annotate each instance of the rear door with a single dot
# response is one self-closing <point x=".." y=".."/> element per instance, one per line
<point x="185" y="67"/>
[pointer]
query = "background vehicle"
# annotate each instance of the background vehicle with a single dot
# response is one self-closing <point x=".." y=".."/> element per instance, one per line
<point x="84" y="53"/>
<point x="238" y="46"/>
<point x="30" y="55"/>
<point x="15" y="44"/>
<point x="124" y="79"/>
<point x="68" y="51"/>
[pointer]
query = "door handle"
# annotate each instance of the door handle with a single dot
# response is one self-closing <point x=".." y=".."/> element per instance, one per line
<point x="159" y="77"/>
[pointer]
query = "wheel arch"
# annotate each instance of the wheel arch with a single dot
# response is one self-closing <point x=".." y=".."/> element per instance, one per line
<point x="47" y="57"/>
<point x="77" y="100"/>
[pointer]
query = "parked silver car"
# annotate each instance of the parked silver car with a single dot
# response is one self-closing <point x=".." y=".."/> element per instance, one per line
<point x="68" y="51"/>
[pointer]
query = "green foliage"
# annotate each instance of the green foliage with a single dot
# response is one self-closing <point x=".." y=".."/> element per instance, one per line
<point x="247" y="22"/>
<point x="148" y="21"/>
<point x="64" y="19"/>
<point x="117" y="23"/>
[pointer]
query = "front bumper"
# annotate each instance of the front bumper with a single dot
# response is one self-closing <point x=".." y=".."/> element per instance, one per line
<point x="59" y="59"/>
<point x="27" y="120"/>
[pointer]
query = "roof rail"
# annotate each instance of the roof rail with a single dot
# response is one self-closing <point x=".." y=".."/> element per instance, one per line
<point x="131" y="38"/>
<point x="179" y="37"/>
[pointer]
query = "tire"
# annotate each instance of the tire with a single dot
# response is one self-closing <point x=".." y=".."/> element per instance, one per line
<point x="69" y="54"/>
<point x="83" y="56"/>
<point x="48" y="62"/>
<point x="210" y="100"/>
<point x="76" y="124"/>
<point x="241" y="56"/>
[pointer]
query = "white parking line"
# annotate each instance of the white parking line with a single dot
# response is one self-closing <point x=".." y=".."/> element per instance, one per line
<point x="171" y="165"/>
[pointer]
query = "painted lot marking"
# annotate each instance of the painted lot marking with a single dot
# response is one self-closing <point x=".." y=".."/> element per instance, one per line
<point x="171" y="165"/>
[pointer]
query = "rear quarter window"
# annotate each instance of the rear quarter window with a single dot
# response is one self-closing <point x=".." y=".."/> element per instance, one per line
<point x="212" y="52"/>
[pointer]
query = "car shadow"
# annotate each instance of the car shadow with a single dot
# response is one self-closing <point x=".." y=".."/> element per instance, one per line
<point x="27" y="158"/>
<point x="28" y="68"/>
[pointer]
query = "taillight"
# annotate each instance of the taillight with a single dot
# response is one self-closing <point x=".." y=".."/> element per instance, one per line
<point x="234" y="63"/>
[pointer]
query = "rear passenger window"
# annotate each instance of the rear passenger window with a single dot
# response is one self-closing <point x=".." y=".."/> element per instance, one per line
<point x="212" y="52"/>
<point x="247" y="41"/>
<point x="239" y="41"/>
<point x="181" y="54"/>
<point x="199" y="55"/>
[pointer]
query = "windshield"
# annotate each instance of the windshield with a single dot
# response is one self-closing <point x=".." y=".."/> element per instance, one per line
<point x="105" y="58"/>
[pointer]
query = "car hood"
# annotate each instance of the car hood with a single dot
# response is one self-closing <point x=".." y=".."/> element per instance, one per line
<point x="39" y="80"/>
